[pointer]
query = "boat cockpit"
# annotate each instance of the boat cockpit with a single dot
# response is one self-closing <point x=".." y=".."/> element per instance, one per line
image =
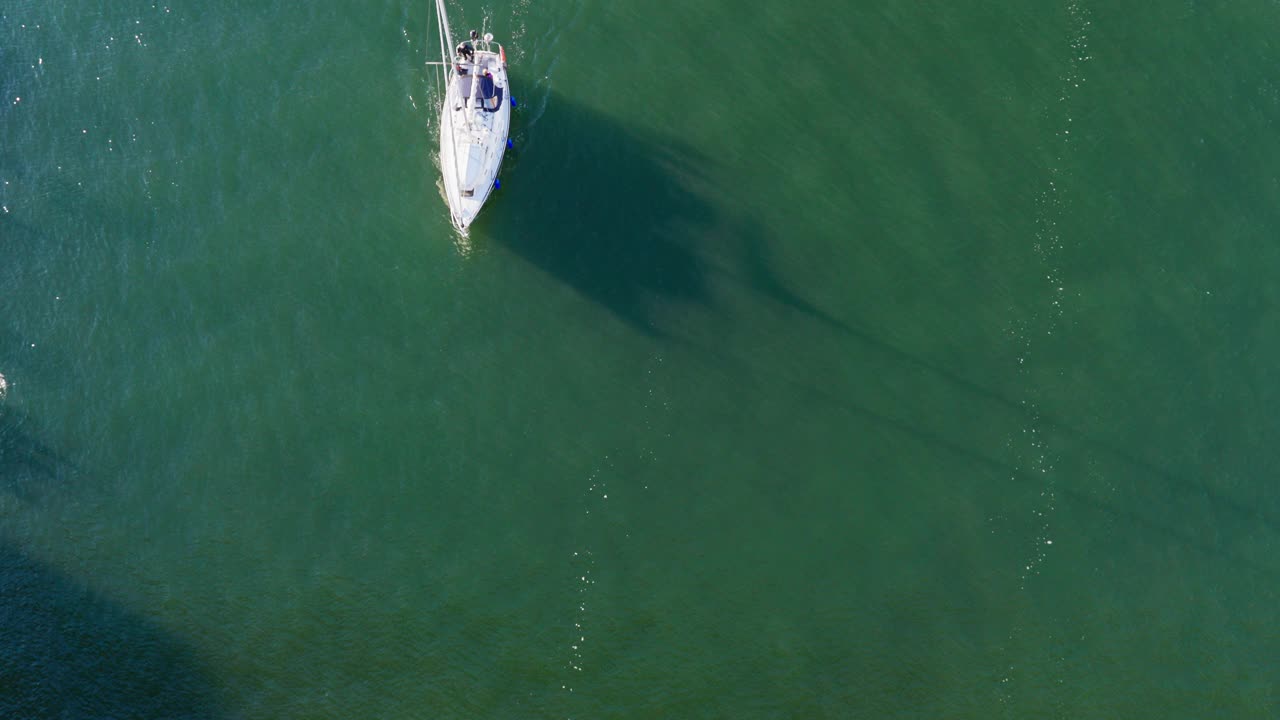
<point x="489" y="95"/>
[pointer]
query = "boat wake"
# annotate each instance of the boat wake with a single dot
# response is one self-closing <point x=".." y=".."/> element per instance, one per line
<point x="1051" y="207"/>
<point x="602" y="527"/>
<point x="1035" y="456"/>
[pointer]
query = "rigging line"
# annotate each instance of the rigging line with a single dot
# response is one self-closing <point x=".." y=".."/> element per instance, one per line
<point x="446" y="56"/>
<point x="446" y="114"/>
<point x="442" y="31"/>
<point x="434" y="75"/>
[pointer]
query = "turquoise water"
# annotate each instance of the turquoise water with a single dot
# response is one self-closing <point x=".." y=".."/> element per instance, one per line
<point x="885" y="360"/>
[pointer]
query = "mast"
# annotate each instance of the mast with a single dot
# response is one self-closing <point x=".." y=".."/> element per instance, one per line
<point x="443" y="18"/>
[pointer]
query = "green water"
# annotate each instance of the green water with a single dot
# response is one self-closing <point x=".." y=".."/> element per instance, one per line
<point x="875" y="360"/>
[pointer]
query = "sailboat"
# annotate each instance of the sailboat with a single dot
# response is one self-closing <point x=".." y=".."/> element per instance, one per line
<point x="475" y="119"/>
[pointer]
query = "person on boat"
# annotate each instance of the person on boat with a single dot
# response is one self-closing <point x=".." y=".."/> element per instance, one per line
<point x="465" y="54"/>
<point x="488" y="93"/>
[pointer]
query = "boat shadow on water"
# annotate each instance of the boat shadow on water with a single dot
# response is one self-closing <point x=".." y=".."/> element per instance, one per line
<point x="66" y="652"/>
<point x="627" y="218"/>
<point x="611" y="211"/>
<point x="28" y="467"/>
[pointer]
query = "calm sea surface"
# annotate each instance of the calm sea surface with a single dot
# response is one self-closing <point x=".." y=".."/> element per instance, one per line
<point x="815" y="360"/>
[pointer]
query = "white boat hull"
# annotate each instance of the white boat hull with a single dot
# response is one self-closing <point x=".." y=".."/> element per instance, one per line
<point x="473" y="139"/>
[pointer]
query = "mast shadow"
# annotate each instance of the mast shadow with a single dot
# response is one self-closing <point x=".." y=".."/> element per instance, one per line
<point x="751" y="251"/>
<point x="611" y="211"/>
<point x="1184" y="486"/>
<point x="1202" y="536"/>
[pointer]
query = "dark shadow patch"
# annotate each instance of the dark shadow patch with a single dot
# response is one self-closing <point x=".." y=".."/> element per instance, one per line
<point x="68" y="653"/>
<point x="626" y="218"/>
<point x="28" y="467"/>
<point x="15" y="231"/>
<point x="611" y="211"/>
